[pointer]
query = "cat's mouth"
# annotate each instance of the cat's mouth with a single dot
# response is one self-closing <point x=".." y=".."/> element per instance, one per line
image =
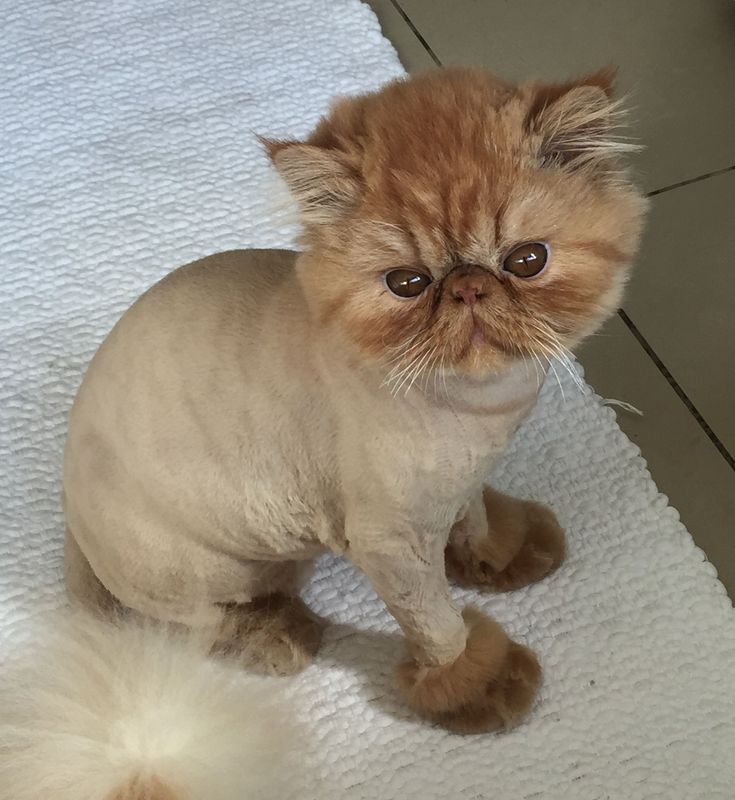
<point x="477" y="330"/>
<point x="481" y="340"/>
<point x="478" y="338"/>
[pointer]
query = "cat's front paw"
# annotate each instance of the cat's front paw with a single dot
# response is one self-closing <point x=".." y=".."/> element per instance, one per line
<point x="525" y="543"/>
<point x="491" y="685"/>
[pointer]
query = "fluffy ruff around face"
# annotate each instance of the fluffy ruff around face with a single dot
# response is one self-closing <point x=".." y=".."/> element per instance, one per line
<point x="445" y="174"/>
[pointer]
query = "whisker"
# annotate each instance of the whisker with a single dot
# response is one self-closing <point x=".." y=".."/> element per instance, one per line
<point x="561" y="353"/>
<point x="556" y="375"/>
<point x="427" y="370"/>
<point x="569" y="366"/>
<point x="402" y="367"/>
<point x="404" y="348"/>
<point x="407" y="373"/>
<point x="433" y="368"/>
<point x="538" y="365"/>
<point x="420" y="367"/>
<point x="444" y="376"/>
<point x="397" y="373"/>
<point x="548" y="354"/>
<point x="556" y="349"/>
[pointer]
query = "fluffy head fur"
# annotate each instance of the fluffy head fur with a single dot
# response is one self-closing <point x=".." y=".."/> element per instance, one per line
<point x="131" y="712"/>
<point x="445" y="173"/>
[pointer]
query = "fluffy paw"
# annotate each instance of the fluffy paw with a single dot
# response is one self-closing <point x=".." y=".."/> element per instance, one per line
<point x="274" y="635"/>
<point x="491" y="685"/>
<point x="525" y="543"/>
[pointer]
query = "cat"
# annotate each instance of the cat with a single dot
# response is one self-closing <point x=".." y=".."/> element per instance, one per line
<point x="257" y="408"/>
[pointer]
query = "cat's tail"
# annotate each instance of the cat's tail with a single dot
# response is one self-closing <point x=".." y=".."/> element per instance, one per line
<point x="118" y="710"/>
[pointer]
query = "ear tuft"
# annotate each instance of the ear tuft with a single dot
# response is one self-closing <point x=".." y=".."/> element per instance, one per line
<point x="274" y="146"/>
<point x="322" y="184"/>
<point x="577" y="123"/>
<point x="604" y="79"/>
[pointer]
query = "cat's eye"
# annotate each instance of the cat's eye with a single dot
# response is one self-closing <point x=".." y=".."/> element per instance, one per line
<point x="527" y="260"/>
<point x="406" y="282"/>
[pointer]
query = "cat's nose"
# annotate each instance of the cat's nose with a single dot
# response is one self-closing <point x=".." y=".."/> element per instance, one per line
<point x="469" y="290"/>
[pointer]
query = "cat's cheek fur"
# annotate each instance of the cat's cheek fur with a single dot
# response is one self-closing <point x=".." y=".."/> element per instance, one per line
<point x="359" y="309"/>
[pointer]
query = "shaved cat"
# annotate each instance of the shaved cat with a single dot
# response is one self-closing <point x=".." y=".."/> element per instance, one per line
<point x="258" y="408"/>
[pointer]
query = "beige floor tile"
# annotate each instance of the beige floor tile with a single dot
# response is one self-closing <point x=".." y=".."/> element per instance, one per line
<point x="684" y="463"/>
<point x="412" y="53"/>
<point x="682" y="297"/>
<point x="677" y="56"/>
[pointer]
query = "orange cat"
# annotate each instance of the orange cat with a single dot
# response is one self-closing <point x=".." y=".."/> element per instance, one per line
<point x="257" y="408"/>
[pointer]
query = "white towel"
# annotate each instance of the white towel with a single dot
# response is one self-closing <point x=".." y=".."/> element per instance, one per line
<point x="127" y="149"/>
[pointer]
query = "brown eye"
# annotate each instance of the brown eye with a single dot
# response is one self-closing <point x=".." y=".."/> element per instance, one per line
<point x="406" y="282"/>
<point x="527" y="260"/>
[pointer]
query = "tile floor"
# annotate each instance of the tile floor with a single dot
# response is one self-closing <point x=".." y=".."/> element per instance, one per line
<point x="671" y="351"/>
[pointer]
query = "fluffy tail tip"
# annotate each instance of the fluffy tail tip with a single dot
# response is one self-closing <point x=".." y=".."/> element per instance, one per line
<point x="103" y="710"/>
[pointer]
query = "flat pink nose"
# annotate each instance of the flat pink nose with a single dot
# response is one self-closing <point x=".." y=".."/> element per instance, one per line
<point x="468" y="290"/>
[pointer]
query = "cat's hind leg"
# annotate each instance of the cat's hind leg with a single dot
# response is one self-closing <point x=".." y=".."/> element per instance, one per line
<point x="83" y="587"/>
<point x="275" y="633"/>
<point x="504" y="543"/>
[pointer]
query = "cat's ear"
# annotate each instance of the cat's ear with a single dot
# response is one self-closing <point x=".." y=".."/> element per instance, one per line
<point x="323" y="185"/>
<point x="577" y="124"/>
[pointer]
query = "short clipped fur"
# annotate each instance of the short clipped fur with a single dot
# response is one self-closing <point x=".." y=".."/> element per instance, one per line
<point x="257" y="408"/>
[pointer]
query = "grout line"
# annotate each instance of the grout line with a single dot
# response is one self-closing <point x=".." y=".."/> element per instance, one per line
<point x="416" y="33"/>
<point x="690" y="180"/>
<point x="693" y="410"/>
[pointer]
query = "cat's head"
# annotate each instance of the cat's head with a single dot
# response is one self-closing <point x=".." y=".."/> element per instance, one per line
<point x="453" y="219"/>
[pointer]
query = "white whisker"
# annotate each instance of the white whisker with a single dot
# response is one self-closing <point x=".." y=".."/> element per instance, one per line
<point x="400" y="368"/>
<point x="548" y="355"/>
<point x="428" y="369"/>
<point x="403" y="349"/>
<point x="569" y="366"/>
<point x="419" y="369"/>
<point x="406" y="373"/>
<point x="556" y="375"/>
<point x="549" y="342"/>
<point x="538" y="365"/>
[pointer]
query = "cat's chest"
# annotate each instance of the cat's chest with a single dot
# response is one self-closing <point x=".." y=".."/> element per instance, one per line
<point x="445" y="449"/>
<point x="461" y="445"/>
<point x="432" y="444"/>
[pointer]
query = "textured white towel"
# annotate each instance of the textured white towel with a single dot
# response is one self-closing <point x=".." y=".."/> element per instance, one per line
<point x="126" y="150"/>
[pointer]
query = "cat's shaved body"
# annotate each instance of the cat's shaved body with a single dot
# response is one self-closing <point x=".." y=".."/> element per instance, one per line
<point x="201" y="392"/>
<point x="257" y="408"/>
